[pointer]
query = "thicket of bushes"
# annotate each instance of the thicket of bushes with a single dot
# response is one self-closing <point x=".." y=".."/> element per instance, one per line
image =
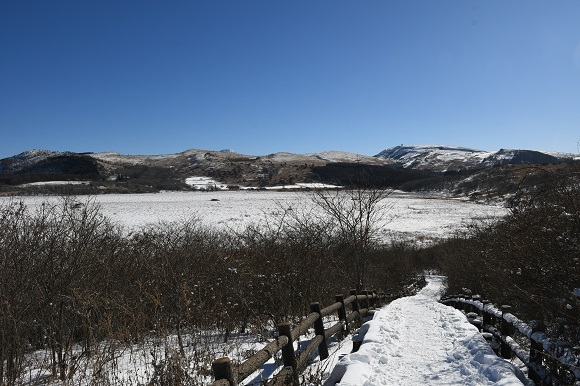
<point x="530" y="259"/>
<point x="71" y="279"/>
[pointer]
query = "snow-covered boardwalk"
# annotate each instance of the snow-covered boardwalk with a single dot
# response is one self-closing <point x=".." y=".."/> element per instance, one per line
<point x="418" y="341"/>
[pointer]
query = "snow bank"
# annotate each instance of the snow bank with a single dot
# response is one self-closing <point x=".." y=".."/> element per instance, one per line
<point x="418" y="341"/>
<point x="205" y="183"/>
<point x="55" y="183"/>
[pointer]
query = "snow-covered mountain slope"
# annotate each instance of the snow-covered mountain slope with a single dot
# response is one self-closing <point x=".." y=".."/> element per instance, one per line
<point x="27" y="158"/>
<point x="426" y="157"/>
<point x="326" y="156"/>
<point x="113" y="157"/>
<point x="405" y="167"/>
<point x="341" y="156"/>
<point x="125" y="172"/>
<point x="454" y="158"/>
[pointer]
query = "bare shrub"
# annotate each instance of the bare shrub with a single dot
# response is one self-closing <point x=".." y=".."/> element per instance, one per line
<point x="354" y="217"/>
<point x="48" y="257"/>
<point x="530" y="258"/>
<point x="79" y="293"/>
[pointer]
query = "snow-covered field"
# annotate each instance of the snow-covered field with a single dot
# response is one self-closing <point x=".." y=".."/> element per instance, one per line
<point x="418" y="341"/>
<point x="420" y="217"/>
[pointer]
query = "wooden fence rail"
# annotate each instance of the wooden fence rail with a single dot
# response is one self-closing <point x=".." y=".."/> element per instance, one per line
<point x="549" y="362"/>
<point x="227" y="374"/>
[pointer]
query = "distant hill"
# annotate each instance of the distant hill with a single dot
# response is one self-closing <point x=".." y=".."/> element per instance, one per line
<point x="453" y="158"/>
<point x="452" y="169"/>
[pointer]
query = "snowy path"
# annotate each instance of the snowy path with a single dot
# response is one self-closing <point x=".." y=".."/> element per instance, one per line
<point x="418" y="341"/>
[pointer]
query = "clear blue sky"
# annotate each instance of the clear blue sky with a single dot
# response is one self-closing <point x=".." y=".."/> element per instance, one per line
<point x="262" y="76"/>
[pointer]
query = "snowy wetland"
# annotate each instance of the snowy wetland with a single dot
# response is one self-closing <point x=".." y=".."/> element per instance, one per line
<point x="411" y="216"/>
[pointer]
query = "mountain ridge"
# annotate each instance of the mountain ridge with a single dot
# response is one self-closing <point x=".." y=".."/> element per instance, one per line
<point x="444" y="158"/>
<point x="414" y="167"/>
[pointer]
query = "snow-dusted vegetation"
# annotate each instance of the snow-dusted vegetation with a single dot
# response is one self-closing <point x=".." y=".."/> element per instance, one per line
<point x="529" y="260"/>
<point x="100" y="285"/>
<point x="412" y="216"/>
<point x="150" y="289"/>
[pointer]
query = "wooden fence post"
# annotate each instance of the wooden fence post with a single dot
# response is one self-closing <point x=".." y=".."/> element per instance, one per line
<point x="381" y="297"/>
<point x="505" y="330"/>
<point x="457" y="303"/>
<point x="476" y="298"/>
<point x="460" y="305"/>
<point x="494" y="321"/>
<point x="375" y="298"/>
<point x="355" y="306"/>
<point x="222" y="369"/>
<point x="552" y="366"/>
<point x="342" y="315"/>
<point x="288" y="354"/>
<point x="485" y="315"/>
<point x="319" y="329"/>
<point x="536" y="354"/>
<point x="468" y="306"/>
<point x="367" y="300"/>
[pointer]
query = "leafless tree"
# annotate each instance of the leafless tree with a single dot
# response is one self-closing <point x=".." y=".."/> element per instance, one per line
<point x="356" y="217"/>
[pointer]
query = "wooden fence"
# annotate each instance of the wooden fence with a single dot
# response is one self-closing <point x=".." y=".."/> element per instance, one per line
<point x="228" y="374"/>
<point x="549" y="362"/>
